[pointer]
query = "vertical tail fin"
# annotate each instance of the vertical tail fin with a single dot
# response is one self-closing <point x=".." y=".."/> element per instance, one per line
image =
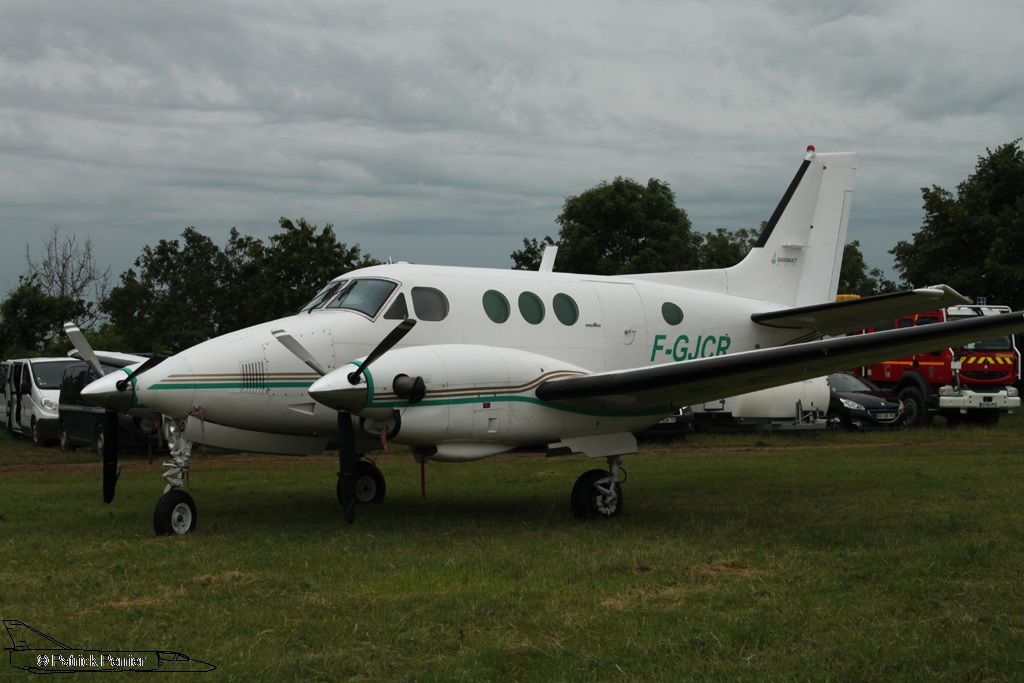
<point x="796" y="260"/>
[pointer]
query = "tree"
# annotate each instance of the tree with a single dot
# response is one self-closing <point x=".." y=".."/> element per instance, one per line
<point x="175" y="299"/>
<point x="617" y="228"/>
<point x="974" y="240"/>
<point x="299" y="260"/>
<point x="856" y="278"/>
<point x="68" y="270"/>
<point x="31" y="321"/>
<point x="724" y="248"/>
<point x="185" y="292"/>
<point x="531" y="254"/>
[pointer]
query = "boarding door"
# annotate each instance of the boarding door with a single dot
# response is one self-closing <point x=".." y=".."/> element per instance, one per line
<point x="624" y="323"/>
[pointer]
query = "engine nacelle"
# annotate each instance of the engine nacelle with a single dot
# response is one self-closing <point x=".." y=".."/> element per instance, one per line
<point x="478" y="400"/>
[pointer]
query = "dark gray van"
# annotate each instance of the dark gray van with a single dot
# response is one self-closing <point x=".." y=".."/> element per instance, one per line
<point x="81" y="423"/>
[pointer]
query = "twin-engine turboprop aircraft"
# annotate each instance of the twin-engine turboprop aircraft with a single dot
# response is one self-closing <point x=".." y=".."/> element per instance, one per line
<point x="463" y="363"/>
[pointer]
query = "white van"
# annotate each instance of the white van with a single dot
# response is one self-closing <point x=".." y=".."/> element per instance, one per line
<point x="31" y="393"/>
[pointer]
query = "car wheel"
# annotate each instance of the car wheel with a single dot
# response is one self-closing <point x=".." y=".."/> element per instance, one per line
<point x="914" y="407"/>
<point x="37" y="434"/>
<point x="65" y="441"/>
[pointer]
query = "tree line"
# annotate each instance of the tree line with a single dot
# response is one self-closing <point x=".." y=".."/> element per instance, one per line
<point x="183" y="291"/>
<point x="179" y="292"/>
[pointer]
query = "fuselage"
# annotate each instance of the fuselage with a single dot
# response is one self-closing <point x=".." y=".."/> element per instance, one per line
<point x="248" y="380"/>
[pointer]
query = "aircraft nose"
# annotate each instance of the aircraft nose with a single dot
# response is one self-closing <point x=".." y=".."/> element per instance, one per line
<point x="169" y="388"/>
<point x="335" y="391"/>
<point x="104" y="393"/>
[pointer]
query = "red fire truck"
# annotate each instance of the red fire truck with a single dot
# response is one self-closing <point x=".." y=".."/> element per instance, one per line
<point x="972" y="383"/>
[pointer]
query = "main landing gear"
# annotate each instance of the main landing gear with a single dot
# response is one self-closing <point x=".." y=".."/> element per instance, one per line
<point x="598" y="493"/>
<point x="370" y="484"/>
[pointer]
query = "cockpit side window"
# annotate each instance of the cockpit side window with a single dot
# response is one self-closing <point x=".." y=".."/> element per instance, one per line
<point x="398" y="310"/>
<point x="366" y="296"/>
<point x="323" y="295"/>
<point x="429" y="303"/>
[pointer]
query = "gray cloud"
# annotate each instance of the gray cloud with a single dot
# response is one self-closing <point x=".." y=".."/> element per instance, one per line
<point x="446" y="132"/>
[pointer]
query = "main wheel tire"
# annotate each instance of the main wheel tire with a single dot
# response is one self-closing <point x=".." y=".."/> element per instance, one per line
<point x="175" y="514"/>
<point x="370" y="484"/>
<point x="594" y="495"/>
<point x="915" y="409"/>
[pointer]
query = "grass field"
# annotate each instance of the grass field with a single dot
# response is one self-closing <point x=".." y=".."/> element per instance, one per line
<point x="848" y="557"/>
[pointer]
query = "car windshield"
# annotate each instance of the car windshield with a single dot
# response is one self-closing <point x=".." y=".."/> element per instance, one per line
<point x="844" y="382"/>
<point x="366" y="296"/>
<point x="49" y="375"/>
<point x="994" y="344"/>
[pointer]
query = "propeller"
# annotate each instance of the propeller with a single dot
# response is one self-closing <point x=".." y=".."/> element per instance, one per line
<point x="396" y="335"/>
<point x="111" y="430"/>
<point x="111" y="447"/>
<point x="299" y="351"/>
<point x="83" y="347"/>
<point x="150" y="363"/>
<point x="348" y="465"/>
<point x="348" y="458"/>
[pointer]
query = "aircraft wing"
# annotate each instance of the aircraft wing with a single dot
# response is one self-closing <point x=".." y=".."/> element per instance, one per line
<point x="840" y="317"/>
<point x="674" y="385"/>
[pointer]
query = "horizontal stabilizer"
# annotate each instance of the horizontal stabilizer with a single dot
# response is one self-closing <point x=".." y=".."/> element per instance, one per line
<point x="674" y="385"/>
<point x="840" y="317"/>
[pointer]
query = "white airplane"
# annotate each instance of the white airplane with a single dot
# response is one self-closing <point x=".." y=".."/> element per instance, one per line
<point x="464" y="363"/>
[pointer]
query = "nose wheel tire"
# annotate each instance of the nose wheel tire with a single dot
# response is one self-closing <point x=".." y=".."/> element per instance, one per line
<point x="175" y="513"/>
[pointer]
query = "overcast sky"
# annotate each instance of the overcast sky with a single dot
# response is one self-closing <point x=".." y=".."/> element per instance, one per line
<point x="446" y="131"/>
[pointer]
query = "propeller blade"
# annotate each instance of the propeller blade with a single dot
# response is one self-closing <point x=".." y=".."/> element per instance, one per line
<point x="150" y="363"/>
<point x="111" y="447"/>
<point x="348" y="460"/>
<point x="299" y="351"/>
<point x="385" y="345"/>
<point x="83" y="347"/>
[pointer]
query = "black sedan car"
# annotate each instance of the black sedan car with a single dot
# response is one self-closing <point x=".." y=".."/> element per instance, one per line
<point x="856" y="403"/>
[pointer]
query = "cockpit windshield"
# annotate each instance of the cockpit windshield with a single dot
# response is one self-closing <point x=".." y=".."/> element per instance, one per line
<point x="366" y="296"/>
<point x="323" y="295"/>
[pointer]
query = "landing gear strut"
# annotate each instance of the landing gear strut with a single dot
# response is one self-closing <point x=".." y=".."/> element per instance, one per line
<point x="176" y="511"/>
<point x="598" y="493"/>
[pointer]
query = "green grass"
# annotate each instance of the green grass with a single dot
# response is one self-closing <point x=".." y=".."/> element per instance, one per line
<point x="813" y="557"/>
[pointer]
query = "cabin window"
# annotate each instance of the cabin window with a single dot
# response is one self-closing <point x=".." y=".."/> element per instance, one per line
<point x="366" y="296"/>
<point x="531" y="308"/>
<point x="565" y="309"/>
<point x="672" y="314"/>
<point x="323" y="295"/>
<point x="429" y="303"/>
<point x="398" y="310"/>
<point x="496" y="306"/>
